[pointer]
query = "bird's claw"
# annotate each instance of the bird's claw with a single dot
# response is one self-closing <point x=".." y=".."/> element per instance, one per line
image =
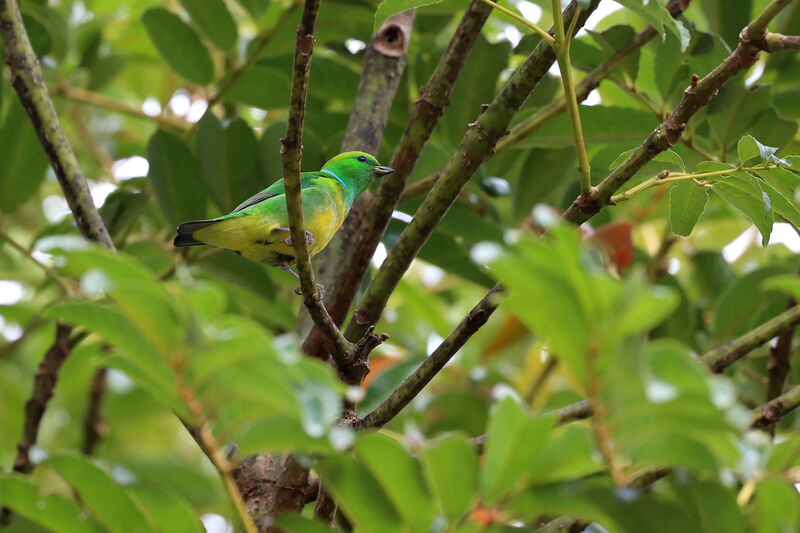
<point x="308" y="238"/>
<point x="320" y="289"/>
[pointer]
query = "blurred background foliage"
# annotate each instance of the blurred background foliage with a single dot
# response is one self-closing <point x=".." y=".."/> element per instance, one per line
<point x="131" y="81"/>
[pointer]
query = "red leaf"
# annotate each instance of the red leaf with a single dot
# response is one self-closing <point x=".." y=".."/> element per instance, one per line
<point x="616" y="241"/>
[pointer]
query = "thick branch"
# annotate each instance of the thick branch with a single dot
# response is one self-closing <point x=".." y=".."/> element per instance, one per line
<point x="695" y="97"/>
<point x="384" y="63"/>
<point x="476" y="145"/>
<point x="425" y="372"/>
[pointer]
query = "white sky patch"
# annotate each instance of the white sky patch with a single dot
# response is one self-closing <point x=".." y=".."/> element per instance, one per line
<point x="593" y="98"/>
<point x="258" y="114"/>
<point x="100" y="192"/>
<point x="42" y="257"/>
<point x="379" y="256"/>
<point x="11" y="292"/>
<point x="485" y="252"/>
<point x="434" y="340"/>
<point x="118" y="381"/>
<point x="512" y="34"/>
<point x="674" y="265"/>
<point x="151" y="107"/>
<point x="430" y="275"/>
<point x="180" y="103"/>
<point x="55" y="208"/>
<point x="755" y="75"/>
<point x="354" y="46"/>
<point x="603" y="10"/>
<point x="738" y="246"/>
<point x="399" y="215"/>
<point x="784" y="233"/>
<point x="215" y="523"/>
<point x="11" y="332"/>
<point x="529" y="10"/>
<point x="130" y="167"/>
<point x="197" y="110"/>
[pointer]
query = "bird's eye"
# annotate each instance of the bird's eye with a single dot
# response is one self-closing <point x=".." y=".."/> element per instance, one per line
<point x="362" y="158"/>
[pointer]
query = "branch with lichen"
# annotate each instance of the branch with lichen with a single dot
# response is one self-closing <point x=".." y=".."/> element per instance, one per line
<point x="475" y="147"/>
<point x="753" y="39"/>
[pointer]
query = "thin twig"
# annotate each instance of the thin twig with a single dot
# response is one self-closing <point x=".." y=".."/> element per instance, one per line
<point x="106" y="102"/>
<point x="565" y="66"/>
<point x="292" y="154"/>
<point x="519" y="18"/>
<point x="772" y="411"/>
<point x="342" y="264"/>
<point x="93" y="423"/>
<point x="51" y="273"/>
<point x="426" y="371"/>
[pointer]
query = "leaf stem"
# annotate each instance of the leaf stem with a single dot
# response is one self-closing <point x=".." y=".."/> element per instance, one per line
<point x="543" y="34"/>
<point x="562" y="46"/>
<point x="52" y="274"/>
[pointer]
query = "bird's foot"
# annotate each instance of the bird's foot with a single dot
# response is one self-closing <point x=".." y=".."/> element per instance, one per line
<point x="320" y="289"/>
<point x="308" y="238"/>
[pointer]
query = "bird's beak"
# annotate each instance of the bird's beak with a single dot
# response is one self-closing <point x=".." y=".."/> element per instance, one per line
<point x="381" y="171"/>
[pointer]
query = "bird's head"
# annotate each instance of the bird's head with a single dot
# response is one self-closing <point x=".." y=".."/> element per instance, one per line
<point x="355" y="170"/>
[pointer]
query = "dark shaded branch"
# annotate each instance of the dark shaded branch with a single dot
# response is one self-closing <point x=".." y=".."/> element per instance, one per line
<point x="325" y="509"/>
<point x="589" y="83"/>
<point x="382" y="69"/>
<point x="43" y="385"/>
<point x="779" y="43"/>
<point x="753" y="39"/>
<point x="476" y="145"/>
<point x="772" y="411"/>
<point x="93" y="423"/>
<point x="426" y="371"/>
<point x="779" y="360"/>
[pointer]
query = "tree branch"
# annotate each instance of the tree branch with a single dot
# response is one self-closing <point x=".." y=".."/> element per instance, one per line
<point x="340" y="263"/>
<point x="697" y="95"/>
<point x="779" y="360"/>
<point x="723" y="356"/>
<point x="292" y="155"/>
<point x="93" y="423"/>
<point x="476" y="145"/>
<point x="772" y="411"/>
<point x="426" y="371"/>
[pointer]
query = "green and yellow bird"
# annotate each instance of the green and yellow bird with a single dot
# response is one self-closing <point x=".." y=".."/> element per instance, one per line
<point x="259" y="227"/>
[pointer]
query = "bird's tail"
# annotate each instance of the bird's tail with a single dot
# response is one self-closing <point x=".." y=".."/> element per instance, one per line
<point x="186" y="230"/>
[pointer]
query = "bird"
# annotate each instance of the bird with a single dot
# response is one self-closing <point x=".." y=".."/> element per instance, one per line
<point x="259" y="227"/>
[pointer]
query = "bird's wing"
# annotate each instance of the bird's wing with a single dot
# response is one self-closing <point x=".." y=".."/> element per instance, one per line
<point x="276" y="189"/>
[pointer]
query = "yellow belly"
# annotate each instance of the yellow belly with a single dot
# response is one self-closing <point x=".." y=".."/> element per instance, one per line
<point x="260" y="237"/>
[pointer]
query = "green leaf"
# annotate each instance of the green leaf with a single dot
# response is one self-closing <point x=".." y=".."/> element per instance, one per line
<point x="735" y="110"/>
<point x="109" y="502"/>
<point x="728" y="17"/>
<point x="301" y="524"/>
<point x="601" y="125"/>
<point x="776" y="506"/>
<point x="165" y="507"/>
<point x="387" y="8"/>
<point x="278" y="434"/>
<point x="251" y="88"/>
<point x="23" y="165"/>
<point x="667" y="156"/>
<point x="214" y="21"/>
<point x="53" y="511"/>
<point x="451" y="468"/>
<point x="255" y="7"/>
<point x="175" y="178"/>
<point x="743" y="304"/>
<point x="687" y="201"/>
<point x="400" y="477"/>
<point x="788" y="283"/>
<point x="179" y="45"/>
<point x="655" y="14"/>
<point x="749" y="148"/>
<point x="228" y="160"/>
<point x="359" y="494"/>
<point x="121" y="210"/>
<point x="745" y="194"/>
<point x="513" y="442"/>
